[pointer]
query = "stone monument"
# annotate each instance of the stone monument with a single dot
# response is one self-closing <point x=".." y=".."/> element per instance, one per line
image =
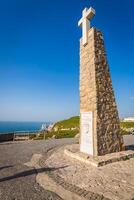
<point x="99" y="121"/>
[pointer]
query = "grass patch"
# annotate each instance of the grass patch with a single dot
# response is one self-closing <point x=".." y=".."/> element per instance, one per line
<point x="39" y="136"/>
<point x="126" y="158"/>
<point x="73" y="122"/>
<point x="124" y="132"/>
<point x="127" y="124"/>
<point x="61" y="134"/>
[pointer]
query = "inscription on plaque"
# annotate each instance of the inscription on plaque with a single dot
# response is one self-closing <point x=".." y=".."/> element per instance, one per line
<point x="86" y="143"/>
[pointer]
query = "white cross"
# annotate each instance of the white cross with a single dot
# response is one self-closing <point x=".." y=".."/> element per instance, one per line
<point x="84" y="22"/>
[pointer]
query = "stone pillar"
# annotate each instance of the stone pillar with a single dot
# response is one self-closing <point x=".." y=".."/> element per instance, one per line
<point x="100" y="125"/>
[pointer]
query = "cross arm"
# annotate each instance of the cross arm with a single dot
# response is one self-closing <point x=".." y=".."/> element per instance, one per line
<point x="80" y="22"/>
<point x="90" y="13"/>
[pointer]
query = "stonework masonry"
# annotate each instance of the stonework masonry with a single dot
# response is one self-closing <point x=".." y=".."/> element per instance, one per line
<point x="97" y="96"/>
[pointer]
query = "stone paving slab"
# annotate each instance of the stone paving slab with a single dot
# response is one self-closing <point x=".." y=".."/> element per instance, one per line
<point x="114" y="181"/>
<point x="48" y="182"/>
<point x="52" y="181"/>
<point x="73" y="152"/>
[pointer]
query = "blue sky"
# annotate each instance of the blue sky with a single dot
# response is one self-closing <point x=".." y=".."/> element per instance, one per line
<point x="39" y="56"/>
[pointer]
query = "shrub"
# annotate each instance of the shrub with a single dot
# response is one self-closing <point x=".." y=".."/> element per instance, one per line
<point x="62" y="134"/>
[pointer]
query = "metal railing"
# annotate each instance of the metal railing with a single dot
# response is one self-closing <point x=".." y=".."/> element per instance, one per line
<point x="24" y="135"/>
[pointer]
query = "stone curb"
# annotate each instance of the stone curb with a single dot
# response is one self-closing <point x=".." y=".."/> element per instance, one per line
<point x="100" y="160"/>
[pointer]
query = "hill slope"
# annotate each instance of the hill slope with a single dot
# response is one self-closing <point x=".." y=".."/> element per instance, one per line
<point x="70" y="123"/>
<point x="65" y="128"/>
<point x="70" y="127"/>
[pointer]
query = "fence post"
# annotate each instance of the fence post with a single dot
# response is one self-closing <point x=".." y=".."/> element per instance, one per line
<point x="13" y="136"/>
<point x="44" y="135"/>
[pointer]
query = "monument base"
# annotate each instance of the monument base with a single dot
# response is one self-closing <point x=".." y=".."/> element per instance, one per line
<point x="98" y="161"/>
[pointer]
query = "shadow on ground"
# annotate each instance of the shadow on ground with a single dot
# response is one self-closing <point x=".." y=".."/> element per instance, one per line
<point x="5" y="167"/>
<point x="29" y="173"/>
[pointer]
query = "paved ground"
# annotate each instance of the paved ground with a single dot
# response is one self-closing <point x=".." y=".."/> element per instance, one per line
<point x="17" y="181"/>
<point x="114" y="181"/>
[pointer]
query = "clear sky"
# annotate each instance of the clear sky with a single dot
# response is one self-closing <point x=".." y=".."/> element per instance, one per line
<point x="39" y="56"/>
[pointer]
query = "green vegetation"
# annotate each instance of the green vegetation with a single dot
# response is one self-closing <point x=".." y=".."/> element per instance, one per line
<point x="61" y="134"/>
<point x="126" y="158"/>
<point x="125" y="132"/>
<point x="70" y="127"/>
<point x="65" y="128"/>
<point x="73" y="122"/>
<point x="39" y="136"/>
<point x="127" y="125"/>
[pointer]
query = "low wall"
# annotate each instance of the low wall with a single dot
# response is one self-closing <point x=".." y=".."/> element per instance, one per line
<point x="6" y="137"/>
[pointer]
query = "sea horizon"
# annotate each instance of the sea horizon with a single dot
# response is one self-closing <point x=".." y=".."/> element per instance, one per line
<point x="18" y="126"/>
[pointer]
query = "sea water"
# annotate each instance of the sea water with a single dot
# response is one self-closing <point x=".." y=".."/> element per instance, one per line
<point x="8" y="127"/>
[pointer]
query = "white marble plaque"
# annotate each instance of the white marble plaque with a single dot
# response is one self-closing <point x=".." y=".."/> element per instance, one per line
<point x="86" y="143"/>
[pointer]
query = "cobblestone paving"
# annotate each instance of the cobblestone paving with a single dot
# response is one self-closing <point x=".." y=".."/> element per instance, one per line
<point x="17" y="181"/>
<point x="75" y="189"/>
<point x="70" y="187"/>
<point x="114" y="181"/>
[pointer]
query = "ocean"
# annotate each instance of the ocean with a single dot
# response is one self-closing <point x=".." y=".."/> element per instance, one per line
<point x="8" y="127"/>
